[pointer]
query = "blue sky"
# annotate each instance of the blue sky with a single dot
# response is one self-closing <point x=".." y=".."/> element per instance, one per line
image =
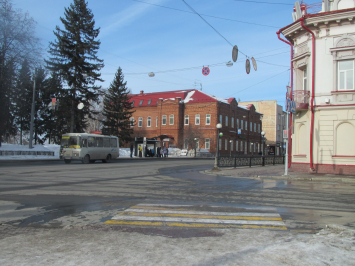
<point x="141" y="36"/>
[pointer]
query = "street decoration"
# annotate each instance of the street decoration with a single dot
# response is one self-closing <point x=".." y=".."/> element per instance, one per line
<point x="247" y="66"/>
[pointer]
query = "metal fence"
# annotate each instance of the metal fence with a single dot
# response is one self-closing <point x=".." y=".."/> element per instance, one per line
<point x="9" y="153"/>
<point x="249" y="160"/>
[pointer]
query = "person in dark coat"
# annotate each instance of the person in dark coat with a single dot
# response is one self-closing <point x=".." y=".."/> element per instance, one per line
<point x="131" y="148"/>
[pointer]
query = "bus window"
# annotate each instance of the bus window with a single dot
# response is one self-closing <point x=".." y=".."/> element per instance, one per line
<point x="70" y="142"/>
<point x="106" y="142"/>
<point x="113" y="143"/>
<point x="91" y="142"/>
<point x="99" y="142"/>
<point x="84" y="143"/>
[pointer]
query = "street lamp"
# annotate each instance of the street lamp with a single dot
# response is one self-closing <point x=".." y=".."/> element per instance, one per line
<point x="230" y="148"/>
<point x="262" y="141"/>
<point x="195" y="139"/>
<point x="218" y="126"/>
<point x="251" y="147"/>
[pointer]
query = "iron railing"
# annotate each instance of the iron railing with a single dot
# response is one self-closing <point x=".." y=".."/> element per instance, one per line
<point x="228" y="161"/>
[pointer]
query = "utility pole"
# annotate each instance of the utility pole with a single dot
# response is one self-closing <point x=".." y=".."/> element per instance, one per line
<point x="32" y="111"/>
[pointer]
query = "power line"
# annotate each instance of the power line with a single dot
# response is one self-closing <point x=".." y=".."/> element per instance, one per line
<point x="228" y="19"/>
<point x="261" y="2"/>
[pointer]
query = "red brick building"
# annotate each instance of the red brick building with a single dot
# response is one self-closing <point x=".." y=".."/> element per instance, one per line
<point x="177" y="118"/>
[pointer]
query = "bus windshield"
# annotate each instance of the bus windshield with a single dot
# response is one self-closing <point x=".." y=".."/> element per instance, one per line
<point x="70" y="142"/>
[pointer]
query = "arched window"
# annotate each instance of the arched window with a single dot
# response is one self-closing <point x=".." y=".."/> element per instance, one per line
<point x="345" y="140"/>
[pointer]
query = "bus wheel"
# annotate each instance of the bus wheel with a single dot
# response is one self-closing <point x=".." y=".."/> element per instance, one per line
<point x="67" y="161"/>
<point x="108" y="159"/>
<point x="86" y="159"/>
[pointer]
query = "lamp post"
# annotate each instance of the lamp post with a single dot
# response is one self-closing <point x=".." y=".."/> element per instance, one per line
<point x="218" y="126"/>
<point x="230" y="148"/>
<point x="195" y="139"/>
<point x="262" y="141"/>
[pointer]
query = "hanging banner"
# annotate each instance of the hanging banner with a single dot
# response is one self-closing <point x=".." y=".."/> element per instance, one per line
<point x="254" y="63"/>
<point x="247" y="66"/>
<point x="205" y="71"/>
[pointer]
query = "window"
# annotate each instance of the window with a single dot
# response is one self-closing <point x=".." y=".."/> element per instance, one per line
<point x="305" y="79"/>
<point x="150" y="101"/>
<point x="236" y="145"/>
<point x="220" y="119"/>
<point x="346" y="75"/>
<point x="132" y="103"/>
<point x="259" y="128"/>
<point x="251" y="126"/>
<point x="232" y="122"/>
<point x="149" y="121"/>
<point x="207" y="144"/>
<point x="208" y="119"/>
<point x="237" y="123"/>
<point x="132" y="121"/>
<point x="99" y="142"/>
<point x="241" y="124"/>
<point x="106" y="142"/>
<point x="156" y="122"/>
<point x="186" y="119"/>
<point x="254" y="127"/>
<point x="141" y="102"/>
<point x="164" y="120"/>
<point x="226" y="121"/>
<point x="220" y="144"/>
<point x="231" y="144"/>
<point x="245" y="147"/>
<point x="197" y="119"/>
<point x="113" y="143"/>
<point x="225" y="144"/>
<point x="278" y="127"/>
<point x="171" y="120"/>
<point x="140" y="121"/>
<point x="246" y="125"/>
<point x="241" y="146"/>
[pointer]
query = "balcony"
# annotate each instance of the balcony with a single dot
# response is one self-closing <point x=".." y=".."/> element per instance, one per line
<point x="301" y="98"/>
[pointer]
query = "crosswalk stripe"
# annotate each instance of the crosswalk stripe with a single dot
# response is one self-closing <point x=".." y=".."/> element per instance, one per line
<point x="213" y="216"/>
<point x="194" y="225"/>
<point x="193" y="220"/>
<point x="204" y="212"/>
<point x="183" y="216"/>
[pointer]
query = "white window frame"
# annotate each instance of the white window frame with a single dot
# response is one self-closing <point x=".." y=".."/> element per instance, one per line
<point x="188" y="120"/>
<point x="149" y="121"/>
<point x="197" y="119"/>
<point x="207" y="144"/>
<point x="208" y="119"/>
<point x="163" y="121"/>
<point x="345" y="76"/>
<point x="171" y="120"/>
<point x="140" y="121"/>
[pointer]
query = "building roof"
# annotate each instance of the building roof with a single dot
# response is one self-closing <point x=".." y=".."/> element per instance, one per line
<point x="186" y="96"/>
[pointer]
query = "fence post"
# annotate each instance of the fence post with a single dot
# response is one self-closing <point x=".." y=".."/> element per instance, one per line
<point x="263" y="161"/>
<point x="235" y="162"/>
<point x="250" y="161"/>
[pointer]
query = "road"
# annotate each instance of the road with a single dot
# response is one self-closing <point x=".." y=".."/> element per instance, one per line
<point x="138" y="193"/>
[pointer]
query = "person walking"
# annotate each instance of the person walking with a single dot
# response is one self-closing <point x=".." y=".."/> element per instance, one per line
<point x="165" y="151"/>
<point x="131" y="148"/>
<point x="140" y="150"/>
<point x="161" y="152"/>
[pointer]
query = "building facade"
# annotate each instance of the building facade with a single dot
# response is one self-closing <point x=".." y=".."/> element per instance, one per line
<point x="274" y="121"/>
<point x="183" y="119"/>
<point x="323" y="129"/>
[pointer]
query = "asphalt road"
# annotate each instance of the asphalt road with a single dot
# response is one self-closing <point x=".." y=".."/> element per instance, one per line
<point x="54" y="194"/>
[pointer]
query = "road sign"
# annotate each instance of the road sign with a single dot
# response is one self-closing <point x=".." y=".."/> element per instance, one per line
<point x="205" y="71"/>
<point x="290" y="106"/>
<point x="239" y="131"/>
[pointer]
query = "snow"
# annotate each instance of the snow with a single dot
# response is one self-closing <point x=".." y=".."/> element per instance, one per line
<point x="16" y="152"/>
<point x="189" y="97"/>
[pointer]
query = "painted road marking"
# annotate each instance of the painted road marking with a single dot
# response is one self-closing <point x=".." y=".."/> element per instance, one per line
<point x="174" y="215"/>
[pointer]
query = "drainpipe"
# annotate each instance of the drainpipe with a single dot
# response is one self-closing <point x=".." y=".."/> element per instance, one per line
<point x="313" y="88"/>
<point x="289" y="124"/>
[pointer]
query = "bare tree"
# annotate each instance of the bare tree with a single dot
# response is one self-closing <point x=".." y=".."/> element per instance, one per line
<point x="95" y="122"/>
<point x="189" y="137"/>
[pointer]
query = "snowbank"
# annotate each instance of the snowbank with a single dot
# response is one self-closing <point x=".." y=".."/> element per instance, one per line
<point x="23" y="152"/>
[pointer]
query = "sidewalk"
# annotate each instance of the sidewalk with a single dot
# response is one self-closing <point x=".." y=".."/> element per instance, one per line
<point x="277" y="172"/>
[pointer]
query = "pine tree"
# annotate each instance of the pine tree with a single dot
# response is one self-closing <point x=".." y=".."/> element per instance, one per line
<point x="23" y="100"/>
<point x="73" y="55"/>
<point x="118" y="109"/>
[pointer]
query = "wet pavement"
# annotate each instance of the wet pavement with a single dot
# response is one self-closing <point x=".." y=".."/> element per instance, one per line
<point x="55" y="195"/>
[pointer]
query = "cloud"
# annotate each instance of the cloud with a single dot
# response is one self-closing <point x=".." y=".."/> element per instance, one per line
<point x="126" y="17"/>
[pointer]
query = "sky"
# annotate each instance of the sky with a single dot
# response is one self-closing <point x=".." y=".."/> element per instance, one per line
<point x="165" y="37"/>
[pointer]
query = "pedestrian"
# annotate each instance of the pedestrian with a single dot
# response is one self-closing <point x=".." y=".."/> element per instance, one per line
<point x="161" y="152"/>
<point x="165" y="152"/>
<point x="152" y="152"/>
<point x="140" y="150"/>
<point x="131" y="148"/>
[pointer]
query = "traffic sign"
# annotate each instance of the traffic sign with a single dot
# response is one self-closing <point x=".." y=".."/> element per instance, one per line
<point x="290" y="106"/>
<point x="205" y="71"/>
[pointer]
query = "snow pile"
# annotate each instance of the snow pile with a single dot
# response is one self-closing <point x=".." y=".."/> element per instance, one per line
<point x="125" y="152"/>
<point x="21" y="152"/>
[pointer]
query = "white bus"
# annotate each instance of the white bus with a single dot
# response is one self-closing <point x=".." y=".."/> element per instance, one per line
<point x="88" y="147"/>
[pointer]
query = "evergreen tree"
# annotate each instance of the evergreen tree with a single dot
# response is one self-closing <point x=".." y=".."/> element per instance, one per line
<point x="73" y="55"/>
<point x="40" y="106"/>
<point x="23" y="100"/>
<point x="118" y="109"/>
